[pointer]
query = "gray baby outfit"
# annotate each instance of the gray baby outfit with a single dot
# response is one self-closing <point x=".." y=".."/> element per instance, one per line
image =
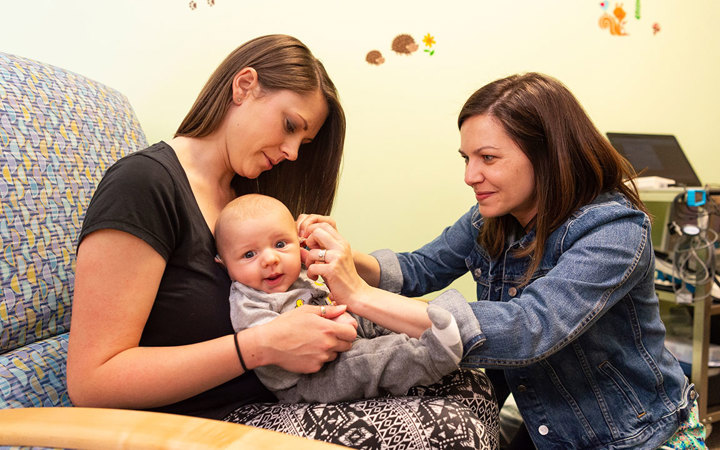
<point x="380" y="362"/>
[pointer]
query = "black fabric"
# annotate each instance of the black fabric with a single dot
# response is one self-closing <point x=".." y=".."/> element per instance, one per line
<point x="147" y="194"/>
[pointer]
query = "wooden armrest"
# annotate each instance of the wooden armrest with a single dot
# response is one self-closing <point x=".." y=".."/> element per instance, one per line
<point x="115" y="428"/>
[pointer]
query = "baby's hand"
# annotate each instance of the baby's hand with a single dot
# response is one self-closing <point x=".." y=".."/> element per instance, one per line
<point x="346" y="318"/>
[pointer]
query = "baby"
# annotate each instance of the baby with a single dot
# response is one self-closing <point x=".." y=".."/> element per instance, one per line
<point x="258" y="243"/>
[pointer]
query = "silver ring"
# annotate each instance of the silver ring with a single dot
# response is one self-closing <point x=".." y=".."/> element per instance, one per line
<point x="322" y="311"/>
<point x="321" y="255"/>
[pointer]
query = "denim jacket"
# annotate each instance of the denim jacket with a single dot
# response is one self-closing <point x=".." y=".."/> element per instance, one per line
<point x="582" y="343"/>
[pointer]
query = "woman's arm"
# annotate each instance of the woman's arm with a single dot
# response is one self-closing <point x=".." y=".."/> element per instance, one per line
<point x="427" y="269"/>
<point x="367" y="267"/>
<point x="392" y="311"/>
<point x="605" y="253"/>
<point x="339" y="271"/>
<point x="116" y="281"/>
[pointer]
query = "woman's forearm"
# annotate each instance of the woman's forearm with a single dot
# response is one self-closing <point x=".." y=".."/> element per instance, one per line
<point x="146" y="377"/>
<point x="352" y="278"/>
<point x="392" y="311"/>
<point x="367" y="267"/>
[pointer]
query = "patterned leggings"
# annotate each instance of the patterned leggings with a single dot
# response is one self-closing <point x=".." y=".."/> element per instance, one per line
<point x="459" y="412"/>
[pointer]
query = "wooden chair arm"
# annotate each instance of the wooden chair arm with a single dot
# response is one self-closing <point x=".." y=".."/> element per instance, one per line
<point x="96" y="428"/>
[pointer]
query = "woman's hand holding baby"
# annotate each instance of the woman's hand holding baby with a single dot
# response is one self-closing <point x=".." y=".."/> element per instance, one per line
<point x="300" y="340"/>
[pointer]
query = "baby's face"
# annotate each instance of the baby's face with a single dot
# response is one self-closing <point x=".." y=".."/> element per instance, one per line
<point x="265" y="252"/>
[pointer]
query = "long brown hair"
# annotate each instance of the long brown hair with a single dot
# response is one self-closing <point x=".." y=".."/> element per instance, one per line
<point x="573" y="162"/>
<point x="308" y="184"/>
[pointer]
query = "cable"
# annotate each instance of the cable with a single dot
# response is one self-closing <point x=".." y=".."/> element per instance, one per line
<point x="693" y="262"/>
<point x="693" y="255"/>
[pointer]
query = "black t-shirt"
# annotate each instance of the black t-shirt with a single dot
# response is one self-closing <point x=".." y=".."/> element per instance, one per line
<point x="147" y="194"/>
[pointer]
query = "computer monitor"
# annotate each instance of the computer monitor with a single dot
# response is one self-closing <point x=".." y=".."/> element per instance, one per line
<point x="656" y="155"/>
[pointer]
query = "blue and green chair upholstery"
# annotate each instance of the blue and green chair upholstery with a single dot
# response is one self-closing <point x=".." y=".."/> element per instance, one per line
<point x="59" y="132"/>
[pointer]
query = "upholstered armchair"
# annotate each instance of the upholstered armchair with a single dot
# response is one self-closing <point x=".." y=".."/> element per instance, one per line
<point x="59" y="132"/>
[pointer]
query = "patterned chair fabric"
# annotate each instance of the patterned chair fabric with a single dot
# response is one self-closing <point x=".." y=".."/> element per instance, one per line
<point x="59" y="132"/>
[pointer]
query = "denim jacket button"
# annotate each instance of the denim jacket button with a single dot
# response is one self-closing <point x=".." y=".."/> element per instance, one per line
<point x="693" y="394"/>
<point x="477" y="273"/>
<point x="542" y="429"/>
<point x="521" y="388"/>
<point x="512" y="291"/>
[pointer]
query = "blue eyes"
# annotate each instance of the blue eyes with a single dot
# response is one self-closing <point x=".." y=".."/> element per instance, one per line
<point x="251" y="254"/>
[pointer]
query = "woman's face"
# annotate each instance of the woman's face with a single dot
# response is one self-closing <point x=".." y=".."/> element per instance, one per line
<point x="497" y="170"/>
<point x="269" y="127"/>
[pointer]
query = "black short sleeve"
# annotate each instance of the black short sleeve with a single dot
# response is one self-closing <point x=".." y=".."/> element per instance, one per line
<point x="136" y="195"/>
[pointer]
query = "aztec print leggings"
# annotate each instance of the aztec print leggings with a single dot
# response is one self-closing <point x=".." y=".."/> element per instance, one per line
<point x="459" y="412"/>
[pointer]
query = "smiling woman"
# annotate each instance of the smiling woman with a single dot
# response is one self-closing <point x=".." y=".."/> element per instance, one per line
<point x="559" y="246"/>
<point x="497" y="169"/>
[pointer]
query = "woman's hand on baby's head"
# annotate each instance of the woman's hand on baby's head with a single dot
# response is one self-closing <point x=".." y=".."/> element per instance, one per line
<point x="316" y="250"/>
<point x="306" y="223"/>
<point x="331" y="257"/>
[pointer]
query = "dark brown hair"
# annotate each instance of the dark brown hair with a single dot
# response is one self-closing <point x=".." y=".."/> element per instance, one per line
<point x="308" y="184"/>
<point x="572" y="160"/>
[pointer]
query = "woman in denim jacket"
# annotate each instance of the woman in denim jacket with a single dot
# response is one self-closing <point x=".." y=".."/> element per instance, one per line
<point x="560" y="249"/>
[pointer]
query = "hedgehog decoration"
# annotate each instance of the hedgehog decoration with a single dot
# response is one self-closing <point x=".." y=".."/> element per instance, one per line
<point x="404" y="44"/>
<point x="375" y="57"/>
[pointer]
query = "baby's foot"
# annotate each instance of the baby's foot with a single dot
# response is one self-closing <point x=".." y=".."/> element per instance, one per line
<point x="446" y="330"/>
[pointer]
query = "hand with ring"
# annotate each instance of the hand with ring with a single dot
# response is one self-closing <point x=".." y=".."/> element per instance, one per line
<point x="331" y="257"/>
<point x="342" y="318"/>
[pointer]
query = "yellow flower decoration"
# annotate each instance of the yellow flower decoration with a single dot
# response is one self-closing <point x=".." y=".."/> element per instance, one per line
<point x="429" y="40"/>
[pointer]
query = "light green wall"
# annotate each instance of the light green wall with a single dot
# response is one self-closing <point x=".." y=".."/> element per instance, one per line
<point x="402" y="177"/>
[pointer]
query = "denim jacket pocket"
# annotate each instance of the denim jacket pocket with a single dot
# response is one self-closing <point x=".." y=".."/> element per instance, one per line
<point x="623" y="387"/>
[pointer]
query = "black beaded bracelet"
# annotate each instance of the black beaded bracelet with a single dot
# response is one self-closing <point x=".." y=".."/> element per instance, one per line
<point x="237" y="348"/>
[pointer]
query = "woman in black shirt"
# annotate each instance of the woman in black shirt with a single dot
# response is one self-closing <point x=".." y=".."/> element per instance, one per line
<point x="151" y="327"/>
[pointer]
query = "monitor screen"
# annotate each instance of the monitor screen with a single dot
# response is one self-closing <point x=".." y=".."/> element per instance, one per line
<point x="655" y="155"/>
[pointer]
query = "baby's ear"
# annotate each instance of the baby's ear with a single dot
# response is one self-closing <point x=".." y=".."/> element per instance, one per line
<point x="304" y="253"/>
<point x="219" y="260"/>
